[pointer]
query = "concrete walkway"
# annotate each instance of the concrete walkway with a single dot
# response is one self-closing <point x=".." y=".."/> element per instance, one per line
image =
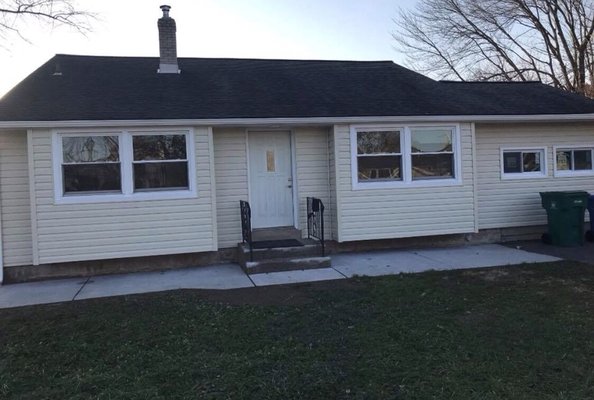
<point x="230" y="276"/>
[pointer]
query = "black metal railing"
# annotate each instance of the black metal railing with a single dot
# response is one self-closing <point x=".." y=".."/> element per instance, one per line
<point x="246" y="225"/>
<point x="315" y="221"/>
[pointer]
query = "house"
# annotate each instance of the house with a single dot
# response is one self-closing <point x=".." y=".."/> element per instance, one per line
<point x="114" y="163"/>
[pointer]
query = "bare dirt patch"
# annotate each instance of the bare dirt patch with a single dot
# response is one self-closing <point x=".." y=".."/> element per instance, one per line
<point x="296" y="294"/>
<point x="489" y="275"/>
<point x="501" y="274"/>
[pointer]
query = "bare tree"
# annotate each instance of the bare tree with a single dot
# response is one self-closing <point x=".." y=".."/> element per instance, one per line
<point x="16" y="14"/>
<point x="546" y="40"/>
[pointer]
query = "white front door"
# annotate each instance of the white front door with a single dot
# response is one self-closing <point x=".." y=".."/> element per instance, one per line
<point x="271" y="179"/>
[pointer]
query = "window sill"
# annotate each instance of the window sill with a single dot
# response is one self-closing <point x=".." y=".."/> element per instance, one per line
<point x="573" y="174"/>
<point x="403" y="185"/>
<point x="117" y="198"/>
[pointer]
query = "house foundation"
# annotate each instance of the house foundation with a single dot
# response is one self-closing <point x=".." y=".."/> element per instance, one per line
<point x="175" y="261"/>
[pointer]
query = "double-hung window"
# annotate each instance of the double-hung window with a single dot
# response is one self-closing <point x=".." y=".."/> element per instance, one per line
<point x="379" y="155"/>
<point x="91" y="164"/>
<point x="123" y="165"/>
<point x="160" y="162"/>
<point x="523" y="163"/>
<point x="432" y="154"/>
<point x="573" y="161"/>
<point x="384" y="157"/>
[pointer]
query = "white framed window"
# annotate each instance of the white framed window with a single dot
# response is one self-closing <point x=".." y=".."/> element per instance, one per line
<point x="160" y="162"/>
<point x="574" y="160"/>
<point x="413" y="155"/>
<point x="523" y="163"/>
<point x="432" y="153"/>
<point x="99" y="166"/>
<point x="379" y="155"/>
<point x="91" y="164"/>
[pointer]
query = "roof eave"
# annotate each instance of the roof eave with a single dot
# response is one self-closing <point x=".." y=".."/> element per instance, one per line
<point x="298" y="121"/>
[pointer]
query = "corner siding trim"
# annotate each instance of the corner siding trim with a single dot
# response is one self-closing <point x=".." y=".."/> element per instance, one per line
<point x="213" y="192"/>
<point x="32" y="198"/>
<point x="475" y="179"/>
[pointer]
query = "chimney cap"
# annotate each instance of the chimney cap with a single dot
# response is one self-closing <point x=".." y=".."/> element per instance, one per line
<point x="165" y="8"/>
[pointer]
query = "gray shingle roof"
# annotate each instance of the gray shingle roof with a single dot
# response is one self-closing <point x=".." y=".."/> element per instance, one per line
<point x="122" y="88"/>
<point x="516" y="98"/>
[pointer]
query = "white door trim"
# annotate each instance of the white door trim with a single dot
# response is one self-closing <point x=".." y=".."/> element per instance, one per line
<point x="293" y="167"/>
<point x="295" y="180"/>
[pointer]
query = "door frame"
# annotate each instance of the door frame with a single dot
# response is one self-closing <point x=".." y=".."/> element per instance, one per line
<point x="293" y="153"/>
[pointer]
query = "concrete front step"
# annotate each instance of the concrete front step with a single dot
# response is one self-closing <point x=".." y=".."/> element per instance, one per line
<point x="309" y="249"/>
<point x="283" y="232"/>
<point x="285" y="264"/>
<point x="308" y="256"/>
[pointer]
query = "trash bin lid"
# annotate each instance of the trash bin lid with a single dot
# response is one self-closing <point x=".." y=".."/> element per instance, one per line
<point x="564" y="200"/>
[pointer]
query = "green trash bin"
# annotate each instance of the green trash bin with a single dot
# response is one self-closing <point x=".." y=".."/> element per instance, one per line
<point x="565" y="215"/>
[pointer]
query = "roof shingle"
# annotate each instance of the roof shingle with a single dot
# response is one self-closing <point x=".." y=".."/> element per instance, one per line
<point x="129" y="88"/>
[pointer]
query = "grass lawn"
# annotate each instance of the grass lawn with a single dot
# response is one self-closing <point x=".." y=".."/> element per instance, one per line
<point x="522" y="332"/>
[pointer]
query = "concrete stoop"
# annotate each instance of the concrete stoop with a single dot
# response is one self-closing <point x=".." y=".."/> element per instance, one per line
<point x="308" y="256"/>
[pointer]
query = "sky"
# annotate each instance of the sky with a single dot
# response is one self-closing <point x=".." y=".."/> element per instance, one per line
<point x="293" y="29"/>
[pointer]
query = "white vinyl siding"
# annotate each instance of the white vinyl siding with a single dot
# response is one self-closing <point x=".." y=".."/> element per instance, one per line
<point x="403" y="211"/>
<point x="14" y="197"/>
<point x="514" y="203"/>
<point x="230" y="158"/>
<point x="311" y="150"/>
<point x="77" y="232"/>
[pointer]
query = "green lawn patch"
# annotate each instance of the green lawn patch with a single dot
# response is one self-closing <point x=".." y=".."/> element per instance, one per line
<point x="523" y="332"/>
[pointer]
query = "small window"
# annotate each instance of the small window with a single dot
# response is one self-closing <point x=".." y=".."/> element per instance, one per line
<point x="432" y="154"/>
<point x="270" y="164"/>
<point x="523" y="163"/>
<point x="574" y="160"/>
<point x="160" y="162"/>
<point x="379" y="156"/>
<point x="91" y="164"/>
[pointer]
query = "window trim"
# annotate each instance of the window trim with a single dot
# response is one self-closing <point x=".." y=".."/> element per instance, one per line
<point x="452" y="152"/>
<point x="406" y="152"/>
<point x="126" y="170"/>
<point x="62" y="163"/>
<point x="572" y="173"/>
<point x="400" y="154"/>
<point x="544" y="173"/>
<point x="133" y="162"/>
